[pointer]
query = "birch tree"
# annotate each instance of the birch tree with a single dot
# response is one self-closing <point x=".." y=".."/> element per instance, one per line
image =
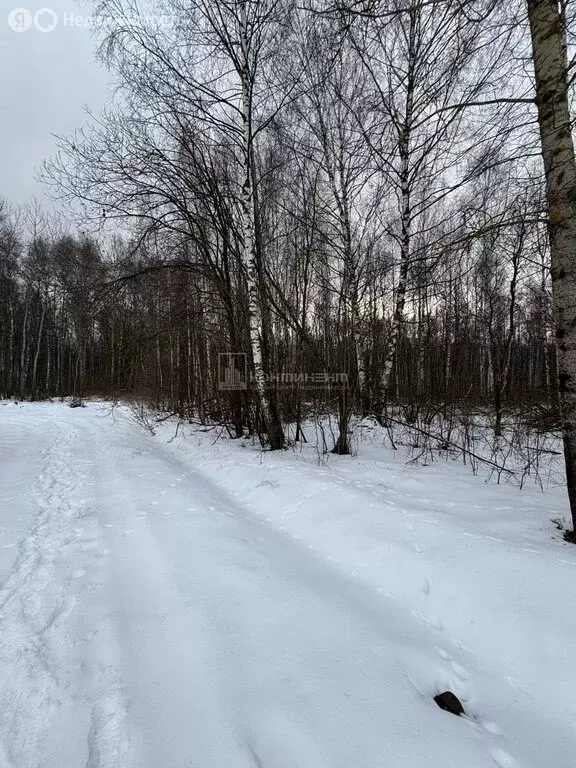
<point x="328" y="137"/>
<point x="548" y="34"/>
<point x="428" y="78"/>
<point x="201" y="74"/>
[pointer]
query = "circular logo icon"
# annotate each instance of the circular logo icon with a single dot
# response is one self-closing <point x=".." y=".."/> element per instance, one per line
<point x="45" y="20"/>
<point x="20" y="19"/>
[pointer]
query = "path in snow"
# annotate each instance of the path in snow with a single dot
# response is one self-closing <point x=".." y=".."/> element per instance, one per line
<point x="151" y="621"/>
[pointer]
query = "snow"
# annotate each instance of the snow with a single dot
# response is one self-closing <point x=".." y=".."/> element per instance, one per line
<point x="191" y="601"/>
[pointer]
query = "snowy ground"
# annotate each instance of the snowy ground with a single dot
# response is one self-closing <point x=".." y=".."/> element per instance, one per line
<point x="167" y="603"/>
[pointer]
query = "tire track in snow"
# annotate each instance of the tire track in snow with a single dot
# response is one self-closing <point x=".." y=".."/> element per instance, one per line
<point x="35" y="600"/>
<point x="32" y="606"/>
<point x="108" y="742"/>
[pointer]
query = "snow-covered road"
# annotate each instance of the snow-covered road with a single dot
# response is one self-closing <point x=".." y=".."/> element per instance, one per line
<point x="148" y="619"/>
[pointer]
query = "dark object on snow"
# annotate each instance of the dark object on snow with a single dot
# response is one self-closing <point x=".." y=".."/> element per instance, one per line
<point x="77" y="404"/>
<point x="450" y="703"/>
<point x="570" y="537"/>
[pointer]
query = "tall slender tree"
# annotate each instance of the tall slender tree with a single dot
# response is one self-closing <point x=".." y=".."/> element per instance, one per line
<point x="549" y="46"/>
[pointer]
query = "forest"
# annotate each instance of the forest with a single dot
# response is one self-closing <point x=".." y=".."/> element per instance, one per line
<point x="370" y="205"/>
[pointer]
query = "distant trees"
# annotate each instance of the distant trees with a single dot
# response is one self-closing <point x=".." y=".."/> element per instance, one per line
<point x="49" y="336"/>
<point x="10" y="301"/>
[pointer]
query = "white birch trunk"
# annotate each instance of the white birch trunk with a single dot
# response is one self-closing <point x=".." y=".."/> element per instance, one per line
<point x="249" y="254"/>
<point x="550" y="68"/>
<point x="37" y="352"/>
<point x="24" y="349"/>
<point x="406" y="225"/>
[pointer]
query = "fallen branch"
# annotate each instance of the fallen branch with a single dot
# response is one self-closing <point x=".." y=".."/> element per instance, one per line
<point x="446" y="442"/>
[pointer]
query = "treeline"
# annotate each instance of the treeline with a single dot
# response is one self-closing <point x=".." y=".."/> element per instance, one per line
<point x="77" y="319"/>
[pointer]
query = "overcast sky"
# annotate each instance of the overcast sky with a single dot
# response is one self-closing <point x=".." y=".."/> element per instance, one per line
<point x="45" y="79"/>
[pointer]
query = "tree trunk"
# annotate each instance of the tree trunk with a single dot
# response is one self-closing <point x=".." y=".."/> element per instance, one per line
<point x="250" y="257"/>
<point x="405" y="241"/>
<point x="24" y="350"/>
<point x="37" y="352"/>
<point x="550" y="68"/>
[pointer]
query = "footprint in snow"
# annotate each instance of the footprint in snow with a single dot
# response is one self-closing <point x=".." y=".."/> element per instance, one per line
<point x="108" y="742"/>
<point x="432" y="621"/>
<point x="426" y="587"/>
<point x="459" y="671"/>
<point x="517" y="684"/>
<point x="462" y="646"/>
<point x="502" y="758"/>
<point x="31" y="605"/>
<point x="491" y="727"/>
<point x="80" y="639"/>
